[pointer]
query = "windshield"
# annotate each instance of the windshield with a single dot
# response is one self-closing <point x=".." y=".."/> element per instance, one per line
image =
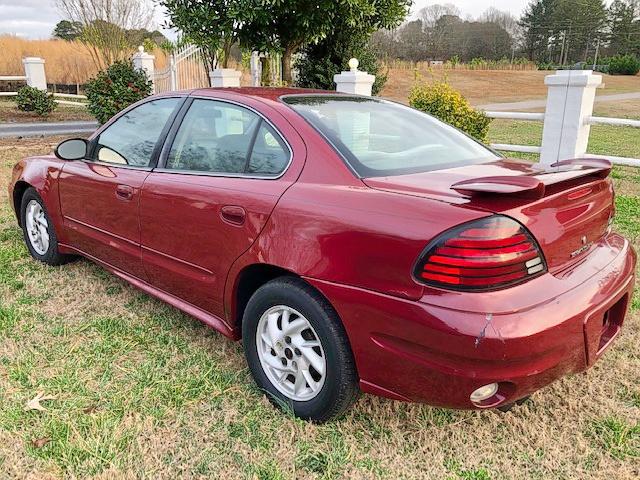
<point x="380" y="138"/>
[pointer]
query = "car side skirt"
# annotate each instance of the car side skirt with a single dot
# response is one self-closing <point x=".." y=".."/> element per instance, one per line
<point x="205" y="317"/>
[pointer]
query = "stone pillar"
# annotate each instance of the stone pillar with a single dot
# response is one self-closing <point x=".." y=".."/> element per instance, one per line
<point x="570" y="99"/>
<point x="225" y="77"/>
<point x="146" y="62"/>
<point x="354" y="81"/>
<point x="34" y="71"/>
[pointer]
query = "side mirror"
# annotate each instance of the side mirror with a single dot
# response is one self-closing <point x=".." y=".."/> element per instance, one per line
<point x="72" y="149"/>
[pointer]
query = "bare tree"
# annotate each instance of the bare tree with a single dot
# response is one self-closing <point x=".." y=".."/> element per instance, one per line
<point x="505" y="19"/>
<point x="431" y="14"/>
<point x="106" y="25"/>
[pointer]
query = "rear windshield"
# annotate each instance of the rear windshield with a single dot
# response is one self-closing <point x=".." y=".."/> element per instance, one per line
<point x="381" y="138"/>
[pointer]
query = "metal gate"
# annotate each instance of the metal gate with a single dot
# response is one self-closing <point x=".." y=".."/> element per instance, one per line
<point x="188" y="69"/>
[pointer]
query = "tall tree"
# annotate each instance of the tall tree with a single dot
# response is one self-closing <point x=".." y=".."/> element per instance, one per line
<point x="105" y="24"/>
<point x="563" y="30"/>
<point x="537" y="23"/>
<point x="288" y="26"/>
<point x="624" y="27"/>
<point x="67" y="30"/>
<point x="582" y="23"/>
<point x="320" y="61"/>
<point x="214" y="25"/>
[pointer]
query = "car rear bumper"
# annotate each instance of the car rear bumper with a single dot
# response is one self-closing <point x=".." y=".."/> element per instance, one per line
<point x="438" y="353"/>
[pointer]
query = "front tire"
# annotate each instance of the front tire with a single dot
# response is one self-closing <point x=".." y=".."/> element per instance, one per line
<point x="297" y="350"/>
<point x="38" y="231"/>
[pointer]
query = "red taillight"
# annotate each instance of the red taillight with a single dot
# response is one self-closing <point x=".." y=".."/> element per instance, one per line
<point x="487" y="254"/>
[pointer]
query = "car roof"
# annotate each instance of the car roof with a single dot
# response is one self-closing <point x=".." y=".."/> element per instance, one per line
<point x="268" y="93"/>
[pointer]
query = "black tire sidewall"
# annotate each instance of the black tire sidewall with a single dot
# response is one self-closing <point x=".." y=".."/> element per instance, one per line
<point x="323" y="321"/>
<point x="51" y="256"/>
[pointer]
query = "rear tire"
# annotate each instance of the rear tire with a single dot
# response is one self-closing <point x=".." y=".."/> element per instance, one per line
<point x="298" y="352"/>
<point x="38" y="230"/>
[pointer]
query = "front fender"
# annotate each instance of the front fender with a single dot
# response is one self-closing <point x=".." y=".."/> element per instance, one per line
<point x="41" y="173"/>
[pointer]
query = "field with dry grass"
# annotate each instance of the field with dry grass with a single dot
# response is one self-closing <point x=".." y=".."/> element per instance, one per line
<point x="65" y="62"/>
<point x="490" y="86"/>
<point x="139" y="390"/>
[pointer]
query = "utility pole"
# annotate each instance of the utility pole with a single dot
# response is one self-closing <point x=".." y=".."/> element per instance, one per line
<point x="564" y="38"/>
<point x="595" y="59"/>
<point x="566" y="49"/>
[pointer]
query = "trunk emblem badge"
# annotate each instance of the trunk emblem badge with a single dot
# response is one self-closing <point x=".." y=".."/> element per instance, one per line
<point x="585" y="246"/>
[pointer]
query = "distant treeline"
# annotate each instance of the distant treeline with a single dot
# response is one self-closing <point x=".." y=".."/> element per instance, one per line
<point x="559" y="32"/>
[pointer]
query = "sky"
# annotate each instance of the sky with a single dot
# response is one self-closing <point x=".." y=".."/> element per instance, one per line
<point x="37" y="18"/>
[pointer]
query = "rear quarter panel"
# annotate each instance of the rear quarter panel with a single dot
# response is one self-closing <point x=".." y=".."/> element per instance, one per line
<point x="351" y="235"/>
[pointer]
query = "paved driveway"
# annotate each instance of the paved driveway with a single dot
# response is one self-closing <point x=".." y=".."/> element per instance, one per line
<point x="38" y="129"/>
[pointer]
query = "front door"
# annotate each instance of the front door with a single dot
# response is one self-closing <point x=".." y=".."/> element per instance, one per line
<point x="100" y="196"/>
<point x="216" y="188"/>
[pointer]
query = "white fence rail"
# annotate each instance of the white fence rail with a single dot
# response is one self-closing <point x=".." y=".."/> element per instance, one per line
<point x="567" y="120"/>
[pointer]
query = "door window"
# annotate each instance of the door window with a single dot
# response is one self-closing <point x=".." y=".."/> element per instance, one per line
<point x="131" y="139"/>
<point x="219" y="137"/>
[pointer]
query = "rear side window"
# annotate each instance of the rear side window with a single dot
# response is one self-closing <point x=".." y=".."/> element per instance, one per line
<point x="381" y="138"/>
<point x="223" y="138"/>
<point x="131" y="139"/>
<point x="270" y="155"/>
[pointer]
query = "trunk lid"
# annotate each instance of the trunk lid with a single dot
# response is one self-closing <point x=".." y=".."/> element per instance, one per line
<point x="567" y="207"/>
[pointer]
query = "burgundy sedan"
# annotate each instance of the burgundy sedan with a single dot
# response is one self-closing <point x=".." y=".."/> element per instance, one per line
<point x="353" y="244"/>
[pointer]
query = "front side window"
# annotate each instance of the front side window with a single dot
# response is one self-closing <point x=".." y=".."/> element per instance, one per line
<point x="131" y="139"/>
<point x="223" y="138"/>
<point x="381" y="138"/>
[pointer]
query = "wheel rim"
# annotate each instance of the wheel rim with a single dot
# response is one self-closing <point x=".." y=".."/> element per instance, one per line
<point x="37" y="227"/>
<point x="291" y="353"/>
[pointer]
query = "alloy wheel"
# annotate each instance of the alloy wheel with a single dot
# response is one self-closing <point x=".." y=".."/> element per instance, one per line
<point x="290" y="353"/>
<point x="37" y="227"/>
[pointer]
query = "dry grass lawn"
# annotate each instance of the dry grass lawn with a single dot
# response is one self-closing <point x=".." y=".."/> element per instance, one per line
<point x="482" y="87"/>
<point x="143" y="391"/>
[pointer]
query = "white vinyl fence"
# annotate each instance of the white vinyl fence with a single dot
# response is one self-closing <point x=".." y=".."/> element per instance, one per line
<point x="567" y="119"/>
<point x="34" y="76"/>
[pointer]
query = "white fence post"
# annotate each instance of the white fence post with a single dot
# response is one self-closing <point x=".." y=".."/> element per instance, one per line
<point x="570" y="103"/>
<point x="146" y="62"/>
<point x="225" y="77"/>
<point x="34" y="71"/>
<point x="354" y="81"/>
<point x="256" y="69"/>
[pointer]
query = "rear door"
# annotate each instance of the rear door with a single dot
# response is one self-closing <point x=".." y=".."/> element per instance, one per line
<point x="99" y="196"/>
<point x="221" y="174"/>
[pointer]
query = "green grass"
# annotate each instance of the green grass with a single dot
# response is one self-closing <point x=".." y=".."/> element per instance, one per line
<point x="627" y="219"/>
<point x="143" y="391"/>
<point x="604" y="139"/>
<point x="618" y="438"/>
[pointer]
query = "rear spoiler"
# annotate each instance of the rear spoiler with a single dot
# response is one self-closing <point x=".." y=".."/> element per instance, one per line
<point x="533" y="187"/>
<point x="596" y="166"/>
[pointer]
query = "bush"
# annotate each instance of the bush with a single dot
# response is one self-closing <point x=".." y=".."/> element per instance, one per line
<point x="445" y="103"/>
<point x="320" y="62"/>
<point x="30" y="99"/>
<point x="116" y="88"/>
<point x="623" y="65"/>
